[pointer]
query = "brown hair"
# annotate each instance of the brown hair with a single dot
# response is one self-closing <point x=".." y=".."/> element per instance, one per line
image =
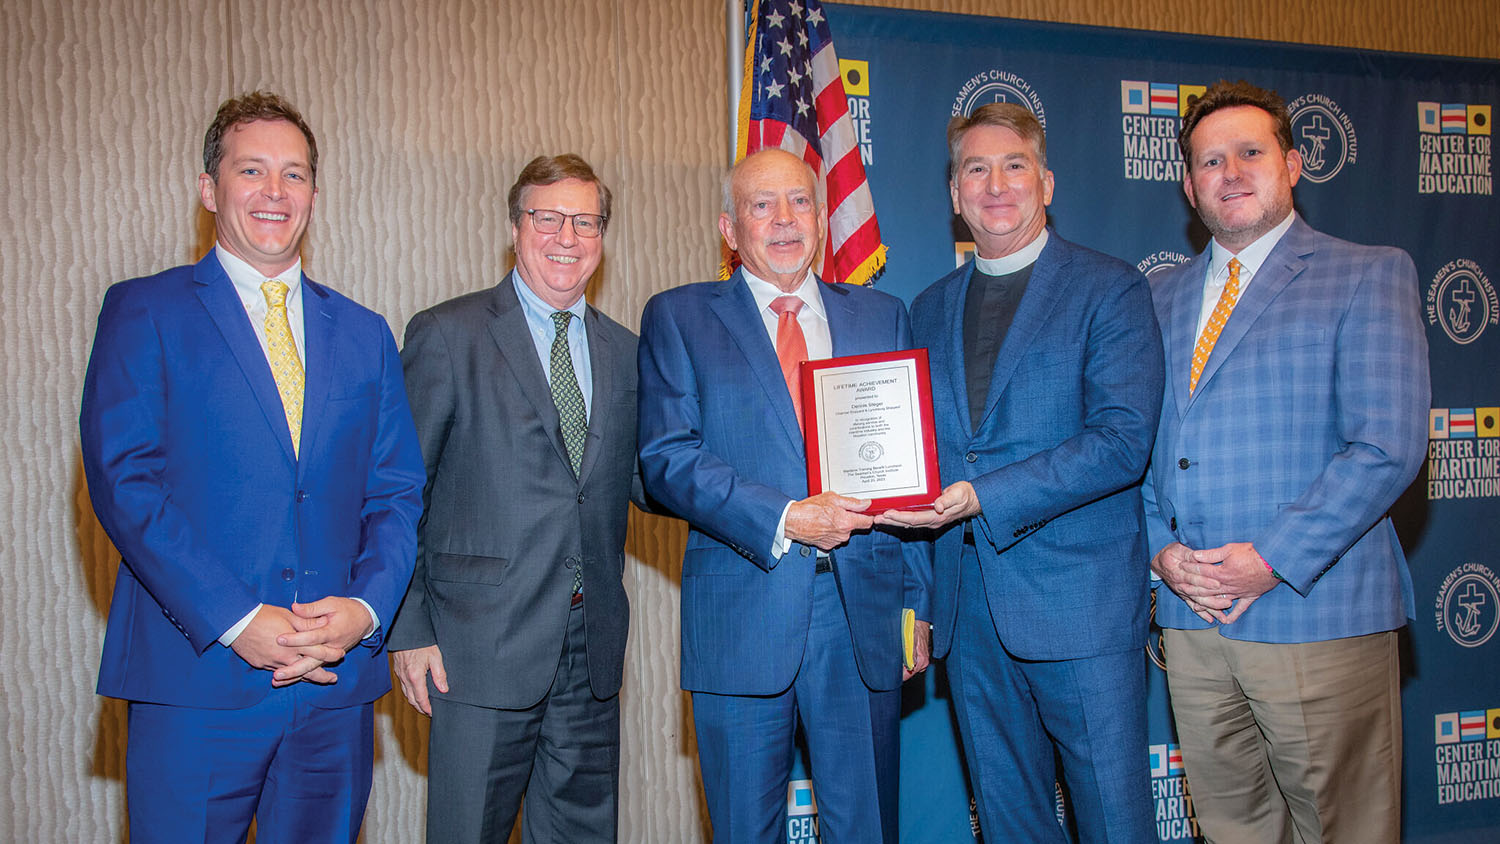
<point x="248" y="108"/>
<point x="1225" y="94"/>
<point x="550" y="169"/>
<point x="1010" y="116"/>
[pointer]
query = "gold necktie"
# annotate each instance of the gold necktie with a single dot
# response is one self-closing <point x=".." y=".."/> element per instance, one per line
<point x="281" y="351"/>
<point x="1215" y="324"/>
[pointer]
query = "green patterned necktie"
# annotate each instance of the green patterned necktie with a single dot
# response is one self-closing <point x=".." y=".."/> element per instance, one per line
<point x="565" y="393"/>
<point x="570" y="411"/>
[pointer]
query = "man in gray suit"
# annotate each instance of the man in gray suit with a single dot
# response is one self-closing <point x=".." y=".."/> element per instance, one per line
<point x="512" y="634"/>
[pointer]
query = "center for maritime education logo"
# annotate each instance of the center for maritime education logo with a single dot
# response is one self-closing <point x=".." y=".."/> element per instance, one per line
<point x="801" y="813"/>
<point x="1453" y="149"/>
<point x="1467" y="755"/>
<point x="1461" y="300"/>
<point x="856" y="74"/>
<point x="1323" y="134"/>
<point x="1175" y="820"/>
<point x="1463" y="453"/>
<point x="1467" y="607"/>
<point x="998" y="86"/>
<point x="1150" y="115"/>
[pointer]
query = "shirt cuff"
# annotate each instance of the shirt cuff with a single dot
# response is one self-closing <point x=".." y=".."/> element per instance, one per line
<point x="374" y="619"/>
<point x="234" y="632"/>
<point x="780" y="545"/>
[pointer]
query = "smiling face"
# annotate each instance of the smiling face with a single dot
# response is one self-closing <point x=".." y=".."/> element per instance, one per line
<point x="1000" y="189"/>
<point x="263" y="195"/>
<point x="777" y="224"/>
<point x="557" y="266"/>
<point x="1238" y="178"/>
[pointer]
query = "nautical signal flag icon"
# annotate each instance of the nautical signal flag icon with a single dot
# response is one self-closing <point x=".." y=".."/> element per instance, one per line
<point x="1446" y="725"/>
<point x="1166" y="760"/>
<point x="1454" y="118"/>
<point x="1471" y="725"/>
<point x="856" y="75"/>
<point x="1463" y="422"/>
<point x="800" y="800"/>
<point x="1166" y="99"/>
<point x="1492" y="724"/>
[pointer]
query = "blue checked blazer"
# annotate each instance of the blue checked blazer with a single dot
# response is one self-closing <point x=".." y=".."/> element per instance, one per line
<point x="1308" y="422"/>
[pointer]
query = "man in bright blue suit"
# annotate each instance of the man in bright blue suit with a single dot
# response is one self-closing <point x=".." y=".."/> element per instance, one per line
<point x="249" y="450"/>
<point x="791" y="605"/>
<point x="1295" y="414"/>
<point x="1046" y="381"/>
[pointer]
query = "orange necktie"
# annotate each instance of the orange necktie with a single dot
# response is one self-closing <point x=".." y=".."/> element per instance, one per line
<point x="1215" y="324"/>
<point x="791" y="347"/>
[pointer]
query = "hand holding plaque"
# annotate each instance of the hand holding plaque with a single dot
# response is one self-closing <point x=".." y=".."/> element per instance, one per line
<point x="869" y="429"/>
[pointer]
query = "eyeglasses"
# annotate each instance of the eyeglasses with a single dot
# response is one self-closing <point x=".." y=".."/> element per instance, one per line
<point x="551" y="222"/>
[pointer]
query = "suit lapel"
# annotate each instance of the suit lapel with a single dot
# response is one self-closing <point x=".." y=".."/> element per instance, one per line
<point x="1043" y="290"/>
<point x="217" y="293"/>
<point x="735" y="308"/>
<point x="512" y="335"/>
<point x="1186" y="300"/>
<point x="954" y="296"/>
<point x="1283" y="265"/>
<point x="317" y="333"/>
<point x="601" y="360"/>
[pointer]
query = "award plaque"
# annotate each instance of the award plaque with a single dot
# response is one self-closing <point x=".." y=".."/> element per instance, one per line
<point x="869" y="429"/>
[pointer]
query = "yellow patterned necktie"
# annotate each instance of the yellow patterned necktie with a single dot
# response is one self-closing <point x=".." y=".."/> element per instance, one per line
<point x="1216" y="321"/>
<point x="281" y="351"/>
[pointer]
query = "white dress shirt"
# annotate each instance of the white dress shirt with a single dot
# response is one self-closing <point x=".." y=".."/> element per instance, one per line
<point x="247" y="281"/>
<point x="813" y="320"/>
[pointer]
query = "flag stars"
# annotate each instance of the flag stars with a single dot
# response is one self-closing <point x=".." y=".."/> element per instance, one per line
<point x="815" y="16"/>
<point x="794" y="75"/>
<point x="775" y="19"/>
<point x="786" y="47"/>
<point x="796" y="9"/>
<point x="802" y="38"/>
<point x="773" y="90"/>
<point x="802" y="107"/>
<point x="765" y="64"/>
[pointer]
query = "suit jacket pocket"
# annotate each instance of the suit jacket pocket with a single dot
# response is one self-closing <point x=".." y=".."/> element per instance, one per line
<point x="466" y="568"/>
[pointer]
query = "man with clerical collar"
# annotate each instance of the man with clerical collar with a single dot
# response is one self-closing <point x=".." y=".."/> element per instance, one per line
<point x="1046" y="379"/>
<point x="512" y="636"/>
<point x="791" y="605"/>
<point x="1295" y="414"/>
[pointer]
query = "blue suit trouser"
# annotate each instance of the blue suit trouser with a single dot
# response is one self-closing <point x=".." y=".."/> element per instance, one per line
<point x="745" y="744"/>
<point x="1016" y="716"/>
<point x="200" y="775"/>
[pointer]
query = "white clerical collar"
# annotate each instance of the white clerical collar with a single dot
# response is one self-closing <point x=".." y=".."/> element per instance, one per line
<point x="1017" y="260"/>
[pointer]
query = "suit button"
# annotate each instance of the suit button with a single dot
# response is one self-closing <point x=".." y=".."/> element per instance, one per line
<point x="288" y="575"/>
<point x="581" y="496"/>
<point x="804" y="551"/>
<point x="1173" y="524"/>
<point x="971" y="457"/>
<point x="301" y="496"/>
<point x="1183" y="463"/>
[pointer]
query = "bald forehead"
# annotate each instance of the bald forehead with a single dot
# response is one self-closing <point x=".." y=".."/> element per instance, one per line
<point x="771" y="171"/>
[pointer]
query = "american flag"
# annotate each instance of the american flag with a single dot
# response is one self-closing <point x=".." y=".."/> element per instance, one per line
<point x="793" y="98"/>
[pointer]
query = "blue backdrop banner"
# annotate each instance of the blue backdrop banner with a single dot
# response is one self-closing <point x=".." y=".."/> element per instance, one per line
<point x="1396" y="150"/>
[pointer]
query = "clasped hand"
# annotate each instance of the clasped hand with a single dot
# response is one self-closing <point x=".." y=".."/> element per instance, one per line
<point x="1218" y="584"/>
<point x="295" y="644"/>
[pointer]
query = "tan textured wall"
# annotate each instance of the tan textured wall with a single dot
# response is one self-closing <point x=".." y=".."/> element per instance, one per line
<point x="425" y="109"/>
